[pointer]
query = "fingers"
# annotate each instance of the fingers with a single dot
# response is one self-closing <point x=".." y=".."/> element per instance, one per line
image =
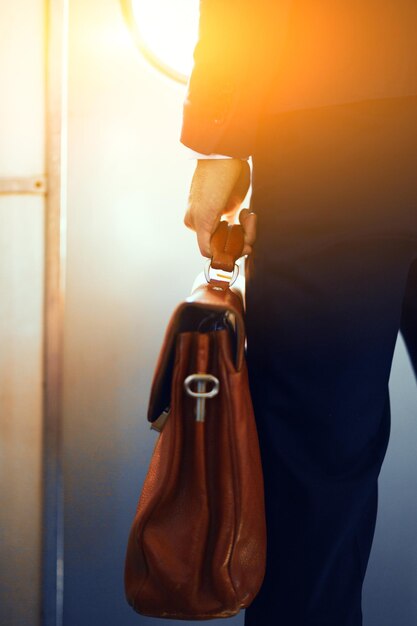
<point x="204" y="228"/>
<point x="188" y="220"/>
<point x="204" y="232"/>
<point x="218" y="188"/>
<point x="203" y="240"/>
<point x="211" y="186"/>
<point x="238" y="192"/>
<point x="248" y="220"/>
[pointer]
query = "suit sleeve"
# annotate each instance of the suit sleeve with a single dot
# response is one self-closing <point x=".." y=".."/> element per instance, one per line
<point x="235" y="62"/>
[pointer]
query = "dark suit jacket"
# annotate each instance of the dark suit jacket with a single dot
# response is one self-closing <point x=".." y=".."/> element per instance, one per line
<point x="255" y="57"/>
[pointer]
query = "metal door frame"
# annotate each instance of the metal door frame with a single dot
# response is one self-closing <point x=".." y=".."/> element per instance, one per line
<point x="56" y="15"/>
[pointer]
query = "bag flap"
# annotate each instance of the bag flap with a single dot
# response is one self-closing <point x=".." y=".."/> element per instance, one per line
<point x="190" y="315"/>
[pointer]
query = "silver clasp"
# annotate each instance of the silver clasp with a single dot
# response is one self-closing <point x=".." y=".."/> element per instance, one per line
<point x="228" y="277"/>
<point x="201" y="394"/>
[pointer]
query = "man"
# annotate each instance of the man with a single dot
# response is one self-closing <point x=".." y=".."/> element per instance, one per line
<point x="323" y="96"/>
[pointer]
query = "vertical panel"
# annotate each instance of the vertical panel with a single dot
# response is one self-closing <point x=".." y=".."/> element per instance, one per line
<point x="21" y="313"/>
<point x="55" y="256"/>
<point x="22" y="76"/>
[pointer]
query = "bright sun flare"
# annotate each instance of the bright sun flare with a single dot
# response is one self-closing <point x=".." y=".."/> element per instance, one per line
<point x="169" y="29"/>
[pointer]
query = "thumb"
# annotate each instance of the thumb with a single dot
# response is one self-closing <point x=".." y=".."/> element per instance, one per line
<point x="248" y="220"/>
<point x="204" y="234"/>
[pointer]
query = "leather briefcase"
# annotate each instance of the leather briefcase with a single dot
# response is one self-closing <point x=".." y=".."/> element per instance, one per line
<point x="197" y="545"/>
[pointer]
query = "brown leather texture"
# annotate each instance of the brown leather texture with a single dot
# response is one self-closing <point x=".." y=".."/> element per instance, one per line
<point x="227" y="245"/>
<point x="197" y="544"/>
<point x="189" y="315"/>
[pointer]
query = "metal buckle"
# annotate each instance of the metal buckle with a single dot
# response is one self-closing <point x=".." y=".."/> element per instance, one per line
<point x="160" y="421"/>
<point x="221" y="274"/>
<point x="201" y="394"/>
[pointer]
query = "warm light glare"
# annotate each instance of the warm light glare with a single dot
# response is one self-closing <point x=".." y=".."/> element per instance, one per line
<point x="169" y="28"/>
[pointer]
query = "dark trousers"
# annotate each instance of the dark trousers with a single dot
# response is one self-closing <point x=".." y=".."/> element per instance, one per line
<point x="332" y="280"/>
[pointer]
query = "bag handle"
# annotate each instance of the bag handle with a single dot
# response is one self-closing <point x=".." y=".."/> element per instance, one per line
<point x="227" y="243"/>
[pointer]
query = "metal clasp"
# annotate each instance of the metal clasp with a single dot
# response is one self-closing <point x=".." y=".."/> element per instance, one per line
<point x="160" y="421"/>
<point x="201" y="394"/>
<point x="228" y="277"/>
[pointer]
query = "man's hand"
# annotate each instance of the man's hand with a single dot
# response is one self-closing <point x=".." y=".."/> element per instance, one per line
<point x="218" y="188"/>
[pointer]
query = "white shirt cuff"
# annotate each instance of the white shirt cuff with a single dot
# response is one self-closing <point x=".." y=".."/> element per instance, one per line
<point x="199" y="155"/>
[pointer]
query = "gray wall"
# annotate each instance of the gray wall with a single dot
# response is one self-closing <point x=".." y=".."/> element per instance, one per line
<point x="390" y="590"/>
<point x="130" y="260"/>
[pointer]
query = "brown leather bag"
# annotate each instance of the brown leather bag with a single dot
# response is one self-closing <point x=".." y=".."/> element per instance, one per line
<point x="197" y="545"/>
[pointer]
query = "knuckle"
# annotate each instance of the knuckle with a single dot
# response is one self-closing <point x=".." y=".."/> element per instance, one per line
<point x="187" y="221"/>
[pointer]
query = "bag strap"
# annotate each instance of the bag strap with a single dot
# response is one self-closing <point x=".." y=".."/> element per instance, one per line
<point x="227" y="246"/>
<point x="227" y="243"/>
